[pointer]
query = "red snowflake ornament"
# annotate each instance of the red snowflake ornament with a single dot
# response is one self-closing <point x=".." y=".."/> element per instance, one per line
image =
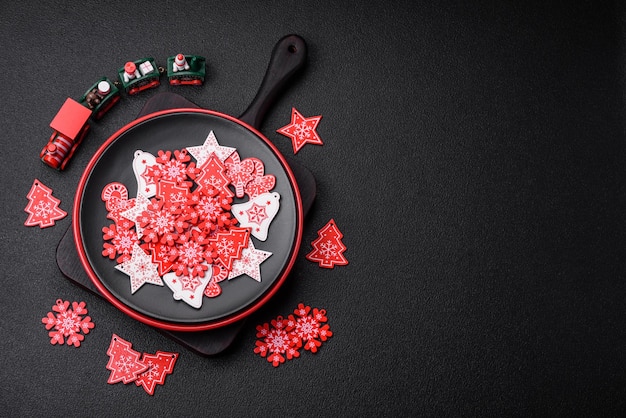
<point x="67" y="324"/>
<point x="309" y="328"/>
<point x="328" y="248"/>
<point x="276" y="342"/>
<point x="283" y="339"/>
<point x="123" y="362"/>
<point x="43" y="209"/>
<point x="301" y="130"/>
<point x="118" y="242"/>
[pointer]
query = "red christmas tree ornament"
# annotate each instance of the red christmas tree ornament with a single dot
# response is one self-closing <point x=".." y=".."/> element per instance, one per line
<point x="230" y="244"/>
<point x="301" y="130"/>
<point x="213" y="177"/>
<point x="159" y="366"/>
<point x="123" y="362"/>
<point x="43" y="209"/>
<point x="328" y="248"/>
<point x="146" y="370"/>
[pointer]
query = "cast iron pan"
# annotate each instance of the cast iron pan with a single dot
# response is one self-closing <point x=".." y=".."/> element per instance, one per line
<point x="177" y="129"/>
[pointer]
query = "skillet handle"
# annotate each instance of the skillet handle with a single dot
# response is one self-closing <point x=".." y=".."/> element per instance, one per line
<point x="288" y="56"/>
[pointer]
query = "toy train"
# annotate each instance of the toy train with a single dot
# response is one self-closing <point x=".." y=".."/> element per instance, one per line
<point x="71" y="123"/>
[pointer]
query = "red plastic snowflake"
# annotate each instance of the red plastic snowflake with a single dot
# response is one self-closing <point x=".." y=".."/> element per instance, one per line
<point x="309" y="328"/>
<point x="176" y="168"/>
<point x="118" y="242"/>
<point x="67" y="324"/>
<point x="283" y="339"/>
<point x="276" y="342"/>
<point x="191" y="254"/>
<point x="158" y="223"/>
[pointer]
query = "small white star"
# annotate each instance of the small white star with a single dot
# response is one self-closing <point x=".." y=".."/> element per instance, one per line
<point x="202" y="152"/>
<point x="141" y="204"/>
<point x="249" y="263"/>
<point x="141" y="269"/>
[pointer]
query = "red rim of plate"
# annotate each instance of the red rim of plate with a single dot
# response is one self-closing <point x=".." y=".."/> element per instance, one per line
<point x="164" y="324"/>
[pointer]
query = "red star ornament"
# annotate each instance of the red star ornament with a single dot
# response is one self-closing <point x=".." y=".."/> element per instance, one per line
<point x="301" y="130"/>
<point x="328" y="248"/>
<point x="123" y="362"/>
<point x="43" y="209"/>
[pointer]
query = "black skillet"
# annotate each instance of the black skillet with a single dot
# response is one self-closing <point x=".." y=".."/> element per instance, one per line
<point x="176" y="129"/>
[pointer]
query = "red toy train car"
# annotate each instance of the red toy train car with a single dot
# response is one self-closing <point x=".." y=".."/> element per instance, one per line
<point x="70" y="126"/>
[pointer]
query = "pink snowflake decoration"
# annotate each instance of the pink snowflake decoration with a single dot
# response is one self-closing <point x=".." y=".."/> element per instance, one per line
<point x="276" y="342"/>
<point x="309" y="328"/>
<point x="283" y="339"/>
<point x="67" y="324"/>
<point x="118" y="243"/>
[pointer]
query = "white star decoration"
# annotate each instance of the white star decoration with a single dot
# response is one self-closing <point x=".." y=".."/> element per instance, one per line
<point x="141" y="269"/>
<point x="249" y="263"/>
<point x="141" y="204"/>
<point x="202" y="152"/>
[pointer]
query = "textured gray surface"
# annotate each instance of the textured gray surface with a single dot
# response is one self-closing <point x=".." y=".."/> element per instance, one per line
<point x="473" y="160"/>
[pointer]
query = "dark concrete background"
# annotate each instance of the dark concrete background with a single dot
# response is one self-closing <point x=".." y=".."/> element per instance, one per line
<point x="473" y="159"/>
